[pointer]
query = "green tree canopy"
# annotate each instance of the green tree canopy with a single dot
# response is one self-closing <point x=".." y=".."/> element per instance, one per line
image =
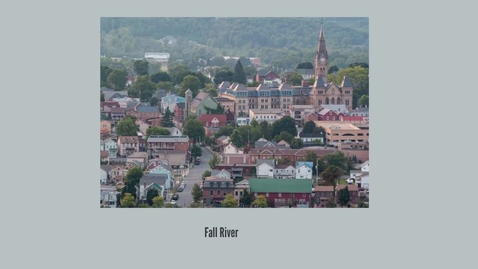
<point x="224" y="131"/>
<point x="287" y="137"/>
<point x="239" y="74"/>
<point x="196" y="192"/>
<point x="150" y="195"/>
<point x="117" y="79"/>
<point x="215" y="160"/>
<point x="167" y="118"/>
<point x="246" y="198"/>
<point x="305" y="65"/>
<point x="223" y="75"/>
<point x="153" y="101"/>
<point x="332" y="69"/>
<point x="343" y="196"/>
<point x="141" y="67"/>
<point x="260" y="201"/>
<point x="363" y="101"/>
<point x="142" y="88"/>
<point x="158" y="202"/>
<point x="105" y="72"/>
<point x="194" y="129"/>
<point x="156" y="130"/>
<point x="237" y="139"/>
<point x="285" y="124"/>
<point x="127" y="200"/>
<point x="196" y="151"/>
<point x="161" y="77"/>
<point x="206" y="174"/>
<point x="331" y="176"/>
<point x="126" y="127"/>
<point x="229" y="201"/>
<point x="296" y="143"/>
<point x="189" y="82"/>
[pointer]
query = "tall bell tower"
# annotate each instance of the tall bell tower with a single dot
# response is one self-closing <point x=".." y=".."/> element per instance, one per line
<point x="321" y="60"/>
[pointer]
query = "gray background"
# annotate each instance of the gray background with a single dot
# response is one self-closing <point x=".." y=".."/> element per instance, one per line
<point x="423" y="62"/>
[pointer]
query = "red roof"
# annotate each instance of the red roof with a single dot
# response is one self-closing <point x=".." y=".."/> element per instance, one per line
<point x="352" y="118"/>
<point x="209" y="117"/>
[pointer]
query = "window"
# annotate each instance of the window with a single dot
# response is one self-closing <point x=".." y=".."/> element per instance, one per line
<point x="267" y="194"/>
<point x="280" y="194"/>
<point x="218" y="192"/>
<point x="211" y="192"/>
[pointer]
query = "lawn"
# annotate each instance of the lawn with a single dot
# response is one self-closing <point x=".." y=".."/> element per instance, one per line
<point x="343" y="181"/>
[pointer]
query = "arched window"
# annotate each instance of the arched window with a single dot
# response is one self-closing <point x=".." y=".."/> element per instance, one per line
<point x="327" y="100"/>
<point x="332" y="101"/>
<point x="320" y="102"/>
<point x="346" y="102"/>
<point x="338" y="100"/>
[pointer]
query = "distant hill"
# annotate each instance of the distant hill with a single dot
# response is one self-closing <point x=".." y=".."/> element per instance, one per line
<point x="280" y="41"/>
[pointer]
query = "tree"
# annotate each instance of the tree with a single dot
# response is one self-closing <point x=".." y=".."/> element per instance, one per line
<point x="266" y="130"/>
<point x="195" y="205"/>
<point x="358" y="77"/>
<point x="239" y="74"/>
<point x="209" y="88"/>
<point x="206" y="174"/>
<point x="305" y="65"/>
<point x="343" y="196"/>
<point x="224" y="131"/>
<point x="158" y="201"/>
<point x="167" y="118"/>
<point x="105" y="72"/>
<point x="363" y="65"/>
<point x="246" y="198"/>
<point x="237" y="139"/>
<point x="141" y="68"/>
<point x="285" y="124"/>
<point x="126" y="127"/>
<point x="127" y="200"/>
<point x="215" y="160"/>
<point x="160" y="77"/>
<point x="153" y="101"/>
<point x="196" y="192"/>
<point x="309" y="127"/>
<point x="165" y="85"/>
<point x="297" y="143"/>
<point x="154" y="68"/>
<point x="194" y="129"/>
<point x="156" y="130"/>
<point x="117" y="79"/>
<point x="189" y="82"/>
<point x="363" y="101"/>
<point x="150" y="195"/>
<point x="229" y="201"/>
<point x="331" y="176"/>
<point x="260" y="201"/>
<point x="338" y="159"/>
<point x="142" y="88"/>
<point x="196" y="151"/>
<point x="332" y="69"/>
<point x="223" y="76"/>
<point x="284" y="136"/>
<point x="102" y="97"/>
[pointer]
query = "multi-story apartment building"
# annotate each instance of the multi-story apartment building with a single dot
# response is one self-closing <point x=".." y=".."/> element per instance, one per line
<point x="275" y="96"/>
<point x="157" y="144"/>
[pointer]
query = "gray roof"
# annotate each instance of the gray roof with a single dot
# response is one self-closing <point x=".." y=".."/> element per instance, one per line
<point x="147" y="109"/>
<point x="261" y="142"/>
<point x="199" y="98"/>
<point x="319" y="83"/>
<point x="168" y="138"/>
<point x="106" y="168"/>
<point x="216" y="172"/>
<point x="225" y="84"/>
<point x="268" y="161"/>
<point x="131" y="104"/>
<point x="109" y="95"/>
<point x="305" y="71"/>
<point x="153" y="178"/>
<point x="336" y="108"/>
<point x="285" y="86"/>
<point x="346" y="82"/>
<point x="180" y="105"/>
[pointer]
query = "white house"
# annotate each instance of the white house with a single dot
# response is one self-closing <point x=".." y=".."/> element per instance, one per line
<point x="103" y="176"/>
<point x="170" y="101"/>
<point x="175" y="131"/>
<point x="263" y="114"/>
<point x="304" y="170"/>
<point x="108" y="199"/>
<point x="284" y="171"/>
<point x="365" y="167"/>
<point x="361" y="177"/>
<point x="221" y="173"/>
<point x="232" y="149"/>
<point x="265" y="168"/>
<point x="309" y="139"/>
<point x="111" y="146"/>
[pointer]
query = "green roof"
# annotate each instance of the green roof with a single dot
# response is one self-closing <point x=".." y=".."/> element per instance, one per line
<point x="296" y="185"/>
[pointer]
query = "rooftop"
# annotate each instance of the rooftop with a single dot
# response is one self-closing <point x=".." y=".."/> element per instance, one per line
<point x="336" y="125"/>
<point x="296" y="185"/>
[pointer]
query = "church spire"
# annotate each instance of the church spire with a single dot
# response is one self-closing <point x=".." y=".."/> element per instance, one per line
<point x="321" y="46"/>
<point x="321" y="57"/>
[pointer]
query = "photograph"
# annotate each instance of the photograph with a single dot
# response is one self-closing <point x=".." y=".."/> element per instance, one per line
<point x="234" y="112"/>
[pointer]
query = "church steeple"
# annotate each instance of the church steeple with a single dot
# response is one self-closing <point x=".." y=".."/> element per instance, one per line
<point x="321" y="57"/>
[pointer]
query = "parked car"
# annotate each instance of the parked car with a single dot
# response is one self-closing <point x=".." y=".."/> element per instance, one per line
<point x="175" y="197"/>
<point x="350" y="180"/>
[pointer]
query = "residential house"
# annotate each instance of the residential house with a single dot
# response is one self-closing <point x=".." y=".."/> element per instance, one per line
<point x="127" y="102"/>
<point x="110" y="95"/>
<point x="327" y="115"/>
<point x="234" y="155"/>
<point x="311" y="117"/>
<point x="170" y="101"/>
<point x="174" y="158"/>
<point x="202" y="102"/>
<point x="323" y="194"/>
<point x="105" y="128"/>
<point x="361" y="177"/>
<point x="143" y="112"/>
<point x="311" y="139"/>
<point x="265" y="168"/>
<point x="256" y="62"/>
<point x="175" y="131"/>
<point x="108" y="199"/>
<point x="111" y="146"/>
<point x="249" y="79"/>
<point x="304" y="170"/>
<point x="158" y="181"/>
<point x="264" y="74"/>
<point x="243" y="121"/>
<point x="359" y="111"/>
<point x="104" y="157"/>
<point x="157" y="144"/>
<point x="222" y="141"/>
<point x="139" y="158"/>
<point x="283" y="192"/>
<point x="115" y="114"/>
<point x="212" y="122"/>
<point x="284" y="171"/>
<point x="239" y="189"/>
<point x="353" y="190"/>
<point x="262" y="143"/>
<point x="226" y="103"/>
<point x="215" y="190"/>
<point x="269" y="115"/>
<point x="118" y="172"/>
<point x="127" y="145"/>
<point x="221" y="173"/>
<point x="283" y="145"/>
<point x="339" y="109"/>
<point x="103" y="176"/>
<point x="179" y="113"/>
<point x="108" y="104"/>
<point x="297" y="112"/>
<point x="238" y="170"/>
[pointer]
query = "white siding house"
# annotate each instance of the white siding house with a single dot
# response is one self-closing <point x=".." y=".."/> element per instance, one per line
<point x="265" y="169"/>
<point x="103" y="176"/>
<point x="304" y="170"/>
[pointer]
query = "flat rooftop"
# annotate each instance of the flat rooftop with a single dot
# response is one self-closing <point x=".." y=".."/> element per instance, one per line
<point x="336" y="125"/>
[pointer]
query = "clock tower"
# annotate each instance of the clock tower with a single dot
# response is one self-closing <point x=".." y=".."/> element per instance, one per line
<point x="321" y="58"/>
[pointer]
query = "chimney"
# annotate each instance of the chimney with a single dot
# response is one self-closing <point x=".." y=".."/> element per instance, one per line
<point x="305" y="83"/>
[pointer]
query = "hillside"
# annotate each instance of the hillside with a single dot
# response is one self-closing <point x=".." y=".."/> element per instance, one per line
<point x="281" y="42"/>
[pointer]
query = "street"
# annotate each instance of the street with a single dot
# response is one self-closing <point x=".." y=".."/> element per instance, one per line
<point x="194" y="176"/>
